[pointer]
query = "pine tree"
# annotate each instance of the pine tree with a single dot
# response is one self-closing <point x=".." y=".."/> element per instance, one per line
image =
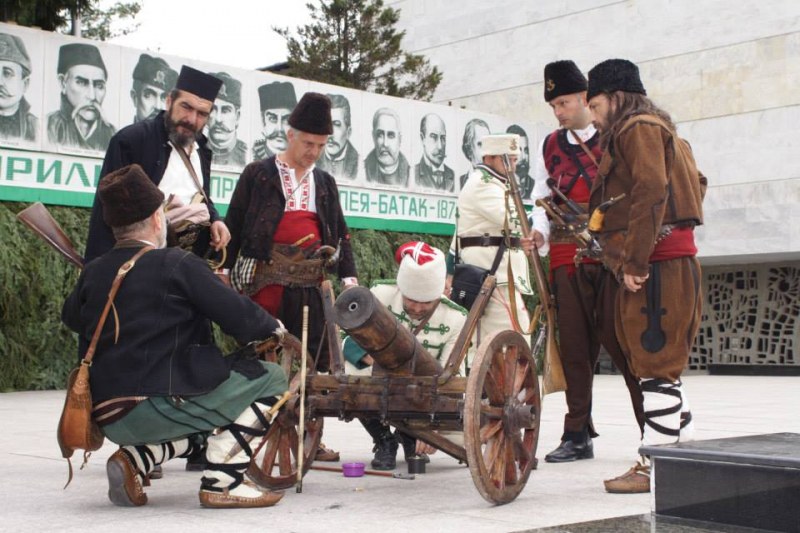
<point x="354" y="43"/>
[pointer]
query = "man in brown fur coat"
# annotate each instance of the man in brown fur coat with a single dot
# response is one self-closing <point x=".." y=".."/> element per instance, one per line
<point x="648" y="242"/>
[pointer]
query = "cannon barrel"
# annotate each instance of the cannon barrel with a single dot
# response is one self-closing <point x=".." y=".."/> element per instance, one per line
<point x="373" y="327"/>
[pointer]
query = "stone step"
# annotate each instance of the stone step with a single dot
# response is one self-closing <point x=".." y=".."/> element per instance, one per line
<point x="751" y="481"/>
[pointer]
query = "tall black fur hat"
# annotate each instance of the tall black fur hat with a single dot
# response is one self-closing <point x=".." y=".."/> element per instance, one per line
<point x="198" y="83"/>
<point x="128" y="196"/>
<point x="312" y="114"/>
<point x="614" y="75"/>
<point x="562" y="77"/>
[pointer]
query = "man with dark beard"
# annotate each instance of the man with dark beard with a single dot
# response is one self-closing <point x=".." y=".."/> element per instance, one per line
<point x="154" y="143"/>
<point x="648" y="243"/>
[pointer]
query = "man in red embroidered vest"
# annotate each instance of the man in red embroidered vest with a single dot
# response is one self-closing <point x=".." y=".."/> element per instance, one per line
<point x="647" y="238"/>
<point x="283" y="216"/>
<point x="585" y="293"/>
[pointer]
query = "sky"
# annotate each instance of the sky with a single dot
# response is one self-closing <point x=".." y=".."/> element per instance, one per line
<point x="228" y="32"/>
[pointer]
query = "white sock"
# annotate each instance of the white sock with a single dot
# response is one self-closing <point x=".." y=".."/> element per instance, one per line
<point x="662" y="411"/>
<point x="687" y="424"/>
<point x="147" y="456"/>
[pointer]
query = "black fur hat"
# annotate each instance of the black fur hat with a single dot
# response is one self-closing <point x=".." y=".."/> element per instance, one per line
<point x="312" y="114"/>
<point x="562" y="77"/>
<point x="128" y="196"/>
<point x="614" y="75"/>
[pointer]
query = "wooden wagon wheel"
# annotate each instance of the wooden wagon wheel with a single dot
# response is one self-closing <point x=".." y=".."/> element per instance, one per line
<point x="501" y="416"/>
<point x="274" y="462"/>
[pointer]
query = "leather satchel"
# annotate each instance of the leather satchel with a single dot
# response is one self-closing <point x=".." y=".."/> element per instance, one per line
<point x="468" y="279"/>
<point x="77" y="430"/>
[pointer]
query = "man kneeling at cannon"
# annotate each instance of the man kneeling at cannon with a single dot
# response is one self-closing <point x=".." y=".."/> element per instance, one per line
<point x="158" y="382"/>
<point x="417" y="302"/>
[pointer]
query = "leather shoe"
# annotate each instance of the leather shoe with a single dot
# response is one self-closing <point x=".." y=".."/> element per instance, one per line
<point x="326" y="454"/>
<point x="124" y="485"/>
<point x="569" y="451"/>
<point x="634" y="481"/>
<point x="225" y="500"/>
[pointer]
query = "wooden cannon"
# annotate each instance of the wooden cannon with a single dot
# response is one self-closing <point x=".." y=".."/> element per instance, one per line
<point x="496" y="407"/>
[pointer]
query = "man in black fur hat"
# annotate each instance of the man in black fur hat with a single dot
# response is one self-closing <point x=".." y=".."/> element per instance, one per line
<point x="173" y="152"/>
<point x="285" y="221"/>
<point x="585" y="293"/>
<point x="648" y="243"/>
<point x="160" y="385"/>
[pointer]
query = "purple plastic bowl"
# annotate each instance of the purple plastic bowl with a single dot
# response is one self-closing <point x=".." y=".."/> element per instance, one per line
<point x="353" y="469"/>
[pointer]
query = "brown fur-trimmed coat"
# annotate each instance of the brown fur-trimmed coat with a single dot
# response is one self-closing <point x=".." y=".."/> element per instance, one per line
<point x="656" y="171"/>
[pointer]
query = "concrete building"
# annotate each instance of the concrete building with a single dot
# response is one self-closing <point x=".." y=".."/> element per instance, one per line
<point x="727" y="72"/>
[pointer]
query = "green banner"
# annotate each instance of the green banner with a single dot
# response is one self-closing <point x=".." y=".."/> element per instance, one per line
<point x="69" y="180"/>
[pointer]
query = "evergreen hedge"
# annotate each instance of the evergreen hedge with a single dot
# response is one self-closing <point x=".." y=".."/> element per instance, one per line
<point x="37" y="350"/>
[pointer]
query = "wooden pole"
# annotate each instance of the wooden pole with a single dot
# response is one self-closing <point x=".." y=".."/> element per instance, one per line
<point x="302" y="426"/>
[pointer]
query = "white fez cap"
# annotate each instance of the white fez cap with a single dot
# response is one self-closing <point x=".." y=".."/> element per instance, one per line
<point x="500" y="144"/>
<point x="422" y="271"/>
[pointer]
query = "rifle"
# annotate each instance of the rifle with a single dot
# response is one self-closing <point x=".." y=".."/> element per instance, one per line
<point x="553" y="372"/>
<point x="39" y="219"/>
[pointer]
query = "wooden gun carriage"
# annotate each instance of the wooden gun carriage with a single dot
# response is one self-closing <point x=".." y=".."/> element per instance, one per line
<point x="497" y="407"/>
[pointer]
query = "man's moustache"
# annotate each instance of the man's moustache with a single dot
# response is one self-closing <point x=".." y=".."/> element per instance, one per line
<point x="221" y="128"/>
<point x="187" y="125"/>
<point x="276" y="135"/>
<point x="91" y="107"/>
<point x="4" y="93"/>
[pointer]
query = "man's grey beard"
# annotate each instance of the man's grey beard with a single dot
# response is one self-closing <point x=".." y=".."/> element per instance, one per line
<point x="184" y="141"/>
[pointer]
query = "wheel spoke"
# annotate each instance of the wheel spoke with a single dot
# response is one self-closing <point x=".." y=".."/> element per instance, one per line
<point x="284" y="455"/>
<point x="294" y="446"/>
<point x="491" y="411"/>
<point x="520" y="376"/>
<point x="490" y="430"/>
<point x="511" y="361"/>
<point x="493" y="388"/>
<point x="511" y="476"/>
<point x="521" y="455"/>
<point x="270" y="452"/>
<point x="497" y="465"/>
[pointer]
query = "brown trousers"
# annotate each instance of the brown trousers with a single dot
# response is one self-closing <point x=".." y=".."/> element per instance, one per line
<point x="585" y="303"/>
<point x="656" y="325"/>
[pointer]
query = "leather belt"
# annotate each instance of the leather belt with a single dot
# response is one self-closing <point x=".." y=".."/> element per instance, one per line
<point x="488" y="240"/>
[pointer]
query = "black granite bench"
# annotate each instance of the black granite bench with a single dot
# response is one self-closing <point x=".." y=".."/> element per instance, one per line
<point x="743" y="481"/>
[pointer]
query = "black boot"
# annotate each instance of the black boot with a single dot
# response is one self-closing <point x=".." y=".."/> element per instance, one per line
<point x="409" y="444"/>
<point x="573" y="447"/>
<point x="385" y="453"/>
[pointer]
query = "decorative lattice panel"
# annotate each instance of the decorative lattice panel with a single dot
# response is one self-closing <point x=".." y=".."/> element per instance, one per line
<point x="750" y="316"/>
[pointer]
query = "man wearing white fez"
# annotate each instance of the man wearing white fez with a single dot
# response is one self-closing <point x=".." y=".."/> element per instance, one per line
<point x="159" y="383"/>
<point x="288" y="230"/>
<point x="16" y="120"/>
<point x="153" y="79"/>
<point x="156" y="145"/>
<point x="79" y="122"/>
<point x="484" y="213"/>
<point x="416" y="299"/>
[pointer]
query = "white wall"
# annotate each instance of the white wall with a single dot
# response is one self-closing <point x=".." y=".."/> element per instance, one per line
<point x="728" y="72"/>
